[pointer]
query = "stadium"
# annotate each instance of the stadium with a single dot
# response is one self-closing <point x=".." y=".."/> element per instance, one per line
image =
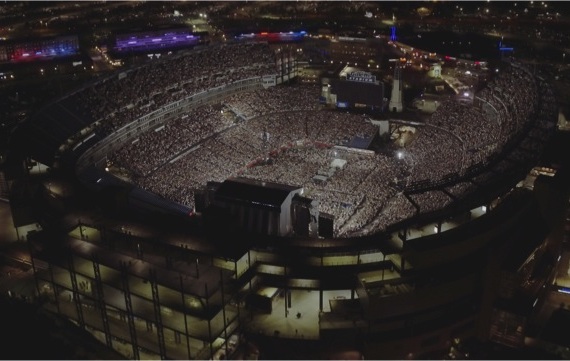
<point x="226" y="199"/>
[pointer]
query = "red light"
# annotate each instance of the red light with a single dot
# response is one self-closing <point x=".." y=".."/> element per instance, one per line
<point x="264" y="33"/>
<point x="477" y="63"/>
<point x="447" y="57"/>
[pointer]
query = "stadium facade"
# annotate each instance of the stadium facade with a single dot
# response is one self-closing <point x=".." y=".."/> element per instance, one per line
<point x="418" y="272"/>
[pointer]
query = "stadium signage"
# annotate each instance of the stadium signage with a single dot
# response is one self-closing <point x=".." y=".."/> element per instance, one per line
<point x="269" y="80"/>
<point x="361" y="76"/>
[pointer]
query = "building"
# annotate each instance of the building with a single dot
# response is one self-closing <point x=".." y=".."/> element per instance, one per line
<point x="354" y="51"/>
<point x="17" y="51"/>
<point x="154" y="289"/>
<point x="156" y="41"/>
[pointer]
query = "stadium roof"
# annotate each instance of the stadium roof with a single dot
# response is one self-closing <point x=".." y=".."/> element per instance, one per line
<point x="251" y="191"/>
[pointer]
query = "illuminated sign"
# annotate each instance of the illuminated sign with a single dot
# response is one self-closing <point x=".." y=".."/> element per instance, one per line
<point x="361" y="76"/>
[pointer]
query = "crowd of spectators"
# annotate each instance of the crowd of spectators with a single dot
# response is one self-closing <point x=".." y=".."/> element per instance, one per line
<point x="459" y="189"/>
<point x="160" y="146"/>
<point x="430" y="200"/>
<point x="281" y="134"/>
<point x="118" y="100"/>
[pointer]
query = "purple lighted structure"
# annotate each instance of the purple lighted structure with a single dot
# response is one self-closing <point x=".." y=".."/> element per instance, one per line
<point x="155" y="40"/>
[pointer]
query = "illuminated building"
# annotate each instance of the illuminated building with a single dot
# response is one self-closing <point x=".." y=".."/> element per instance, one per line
<point x="420" y="281"/>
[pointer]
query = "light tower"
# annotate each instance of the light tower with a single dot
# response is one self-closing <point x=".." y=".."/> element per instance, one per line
<point x="396" y="98"/>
